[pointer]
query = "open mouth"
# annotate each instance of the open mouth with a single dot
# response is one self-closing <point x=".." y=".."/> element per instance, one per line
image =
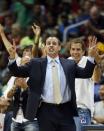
<point x="51" y="49"/>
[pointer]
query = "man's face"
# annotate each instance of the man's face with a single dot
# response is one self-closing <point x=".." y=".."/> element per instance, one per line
<point x="52" y="46"/>
<point x="94" y="13"/>
<point x="76" y="51"/>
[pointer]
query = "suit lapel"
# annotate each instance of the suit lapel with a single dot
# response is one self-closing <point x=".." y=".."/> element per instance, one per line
<point x="64" y="65"/>
<point x="44" y="66"/>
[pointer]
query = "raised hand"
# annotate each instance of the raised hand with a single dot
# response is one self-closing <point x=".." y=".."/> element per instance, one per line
<point x="92" y="50"/>
<point x="12" y="50"/>
<point x="92" y="41"/>
<point x="7" y="44"/>
<point x="9" y="47"/>
<point x="36" y="29"/>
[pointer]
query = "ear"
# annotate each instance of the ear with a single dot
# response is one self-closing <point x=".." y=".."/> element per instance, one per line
<point x="83" y="53"/>
<point x="59" y="48"/>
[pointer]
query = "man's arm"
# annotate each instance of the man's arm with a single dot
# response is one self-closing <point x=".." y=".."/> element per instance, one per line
<point x="96" y="74"/>
<point x="92" y="52"/>
<point x="18" y="72"/>
<point x="37" y="30"/>
<point x="7" y="44"/>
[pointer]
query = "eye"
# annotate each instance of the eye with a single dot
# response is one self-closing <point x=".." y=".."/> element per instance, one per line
<point x="73" y="49"/>
<point x="78" y="49"/>
<point x="54" y="43"/>
<point x="48" y="43"/>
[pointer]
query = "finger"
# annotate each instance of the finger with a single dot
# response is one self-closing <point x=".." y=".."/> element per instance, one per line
<point x="94" y="40"/>
<point x="14" y="44"/>
<point x="35" y="25"/>
<point x="90" y="40"/>
<point x="33" y="29"/>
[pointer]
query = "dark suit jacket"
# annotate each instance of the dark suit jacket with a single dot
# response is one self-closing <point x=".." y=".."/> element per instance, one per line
<point x="36" y="71"/>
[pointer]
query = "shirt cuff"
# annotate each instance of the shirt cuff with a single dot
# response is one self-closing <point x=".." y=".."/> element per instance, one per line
<point x="91" y="59"/>
<point x="12" y="61"/>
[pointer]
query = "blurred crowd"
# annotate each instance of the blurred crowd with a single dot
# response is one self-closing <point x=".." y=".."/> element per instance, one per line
<point x="18" y="16"/>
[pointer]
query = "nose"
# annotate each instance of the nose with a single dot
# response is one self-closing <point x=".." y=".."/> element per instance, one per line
<point x="75" y="51"/>
<point x="51" y="44"/>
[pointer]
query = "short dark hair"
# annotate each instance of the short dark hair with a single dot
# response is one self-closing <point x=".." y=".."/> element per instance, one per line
<point x="59" y="42"/>
<point x="28" y="47"/>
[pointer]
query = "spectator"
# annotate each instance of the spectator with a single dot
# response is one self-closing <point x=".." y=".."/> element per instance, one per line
<point x="84" y="88"/>
<point x="96" y="23"/>
<point x="99" y="108"/>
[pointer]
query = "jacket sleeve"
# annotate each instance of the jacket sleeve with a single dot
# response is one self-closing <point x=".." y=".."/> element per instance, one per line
<point x="19" y="71"/>
<point x="85" y="72"/>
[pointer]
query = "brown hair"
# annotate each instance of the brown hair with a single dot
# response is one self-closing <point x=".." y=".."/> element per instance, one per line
<point x="75" y="41"/>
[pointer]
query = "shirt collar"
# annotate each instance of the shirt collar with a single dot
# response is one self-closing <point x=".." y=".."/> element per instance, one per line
<point x="50" y="59"/>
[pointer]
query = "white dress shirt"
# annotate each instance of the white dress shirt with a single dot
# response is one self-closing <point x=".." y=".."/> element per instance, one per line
<point x="47" y="95"/>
